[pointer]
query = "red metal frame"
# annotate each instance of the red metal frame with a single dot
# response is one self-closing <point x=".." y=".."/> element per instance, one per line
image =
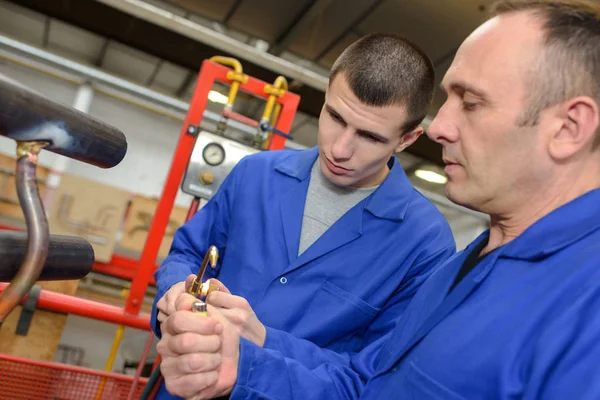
<point x="141" y="272"/>
<point x="64" y="303"/>
<point x="31" y="379"/>
<point x="209" y="73"/>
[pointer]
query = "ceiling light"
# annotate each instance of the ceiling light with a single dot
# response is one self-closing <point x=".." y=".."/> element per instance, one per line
<point x="431" y="176"/>
<point x="217" y="97"/>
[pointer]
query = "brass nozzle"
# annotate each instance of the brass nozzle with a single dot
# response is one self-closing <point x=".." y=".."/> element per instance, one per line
<point x="213" y="256"/>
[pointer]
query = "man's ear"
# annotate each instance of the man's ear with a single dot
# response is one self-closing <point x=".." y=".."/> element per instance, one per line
<point x="578" y="123"/>
<point x="409" y="138"/>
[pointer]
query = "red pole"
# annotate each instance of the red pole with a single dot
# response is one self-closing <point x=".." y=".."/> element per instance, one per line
<point x="63" y="303"/>
<point x="167" y="199"/>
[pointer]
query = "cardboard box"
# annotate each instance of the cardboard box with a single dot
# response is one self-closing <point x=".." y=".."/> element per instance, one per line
<point x="139" y="219"/>
<point x="90" y="210"/>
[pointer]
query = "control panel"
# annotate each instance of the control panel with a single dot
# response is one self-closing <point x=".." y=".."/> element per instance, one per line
<point x="211" y="161"/>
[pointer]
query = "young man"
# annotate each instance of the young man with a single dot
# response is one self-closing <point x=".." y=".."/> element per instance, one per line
<point x="323" y="248"/>
<point x="516" y="315"/>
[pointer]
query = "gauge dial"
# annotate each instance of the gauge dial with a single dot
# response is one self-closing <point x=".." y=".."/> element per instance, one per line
<point x="213" y="154"/>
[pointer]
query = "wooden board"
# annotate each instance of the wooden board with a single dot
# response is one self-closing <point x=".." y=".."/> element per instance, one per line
<point x="138" y="221"/>
<point x="90" y="210"/>
<point x="9" y="202"/>
<point x="44" y="333"/>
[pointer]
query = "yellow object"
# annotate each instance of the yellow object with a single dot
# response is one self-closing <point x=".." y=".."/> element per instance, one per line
<point x="198" y="288"/>
<point x="206" y="177"/>
<point x="113" y="351"/>
<point x="278" y="89"/>
<point x="111" y="358"/>
<point x="236" y="76"/>
<point x="115" y="347"/>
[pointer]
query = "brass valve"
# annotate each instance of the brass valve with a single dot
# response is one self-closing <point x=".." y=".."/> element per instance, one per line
<point x="207" y="178"/>
<point x="201" y="289"/>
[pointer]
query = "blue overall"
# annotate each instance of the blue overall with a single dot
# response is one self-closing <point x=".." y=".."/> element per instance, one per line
<point x="327" y="305"/>
<point x="523" y="324"/>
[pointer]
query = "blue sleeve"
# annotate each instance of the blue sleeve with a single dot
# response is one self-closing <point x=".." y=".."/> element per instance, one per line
<point x="289" y="367"/>
<point x="267" y="375"/>
<point x="567" y="356"/>
<point x="209" y="226"/>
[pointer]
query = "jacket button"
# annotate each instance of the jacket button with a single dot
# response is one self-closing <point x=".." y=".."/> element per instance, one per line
<point x="283" y="280"/>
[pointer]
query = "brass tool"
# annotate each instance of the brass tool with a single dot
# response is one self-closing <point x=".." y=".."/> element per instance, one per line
<point x="201" y="289"/>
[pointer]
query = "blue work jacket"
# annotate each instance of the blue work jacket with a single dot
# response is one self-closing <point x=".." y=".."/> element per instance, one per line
<point x="523" y="324"/>
<point x="326" y="305"/>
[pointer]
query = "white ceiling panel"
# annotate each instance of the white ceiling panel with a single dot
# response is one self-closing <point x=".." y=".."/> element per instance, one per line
<point x="22" y="24"/>
<point x="74" y="43"/>
<point x="129" y="63"/>
<point x="169" y="78"/>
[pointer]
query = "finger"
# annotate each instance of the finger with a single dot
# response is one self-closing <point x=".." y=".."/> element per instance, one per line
<point x="194" y="343"/>
<point x="184" y="302"/>
<point x="161" y="316"/>
<point x="162" y="303"/>
<point x="229" y="301"/>
<point x="186" y="364"/>
<point x="234" y="316"/>
<point x="186" y="321"/>
<point x="221" y="285"/>
<point x="188" y="281"/>
<point x="162" y="348"/>
<point x="191" y="384"/>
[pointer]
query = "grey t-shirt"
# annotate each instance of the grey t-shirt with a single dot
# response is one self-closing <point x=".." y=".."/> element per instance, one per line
<point x="325" y="204"/>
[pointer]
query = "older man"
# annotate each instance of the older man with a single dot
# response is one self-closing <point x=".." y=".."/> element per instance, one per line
<point x="516" y="314"/>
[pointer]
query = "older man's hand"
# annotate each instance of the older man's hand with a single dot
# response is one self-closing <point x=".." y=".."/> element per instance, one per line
<point x="237" y="310"/>
<point x="200" y="354"/>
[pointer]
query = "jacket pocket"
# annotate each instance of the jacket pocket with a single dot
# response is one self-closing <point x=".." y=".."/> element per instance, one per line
<point x="420" y="386"/>
<point x="333" y="317"/>
<point x="350" y="298"/>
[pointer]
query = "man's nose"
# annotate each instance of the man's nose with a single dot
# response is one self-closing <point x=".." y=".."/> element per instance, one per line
<point x="442" y="129"/>
<point x="343" y="147"/>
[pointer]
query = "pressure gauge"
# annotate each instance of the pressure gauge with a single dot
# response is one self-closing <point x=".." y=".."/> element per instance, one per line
<point x="213" y="154"/>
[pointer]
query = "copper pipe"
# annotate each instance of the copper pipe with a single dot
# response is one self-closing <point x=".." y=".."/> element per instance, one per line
<point x="37" y="227"/>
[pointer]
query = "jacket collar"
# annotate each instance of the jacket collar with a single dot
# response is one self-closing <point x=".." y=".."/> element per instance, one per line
<point x="389" y="201"/>
<point x="558" y="229"/>
<point x="555" y="231"/>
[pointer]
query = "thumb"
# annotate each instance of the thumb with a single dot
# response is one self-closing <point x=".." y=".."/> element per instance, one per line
<point x="222" y="287"/>
<point x="188" y="281"/>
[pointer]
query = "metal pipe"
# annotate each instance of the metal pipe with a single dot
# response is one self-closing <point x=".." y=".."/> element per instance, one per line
<point x="82" y="102"/>
<point x="37" y="227"/>
<point x="69" y="257"/>
<point x="235" y="84"/>
<point x="280" y="86"/>
<point x="27" y="116"/>
<point x="111" y="82"/>
<point x="63" y="303"/>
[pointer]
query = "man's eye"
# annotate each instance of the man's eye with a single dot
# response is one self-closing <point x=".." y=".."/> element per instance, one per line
<point x="336" y="118"/>
<point x="370" y="138"/>
<point x="469" y="106"/>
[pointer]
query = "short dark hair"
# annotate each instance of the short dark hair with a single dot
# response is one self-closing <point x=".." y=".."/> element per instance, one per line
<point x="569" y="65"/>
<point x="386" y="69"/>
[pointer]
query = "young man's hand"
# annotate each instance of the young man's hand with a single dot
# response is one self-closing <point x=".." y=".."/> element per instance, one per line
<point x="166" y="304"/>
<point x="200" y="353"/>
<point x="239" y="313"/>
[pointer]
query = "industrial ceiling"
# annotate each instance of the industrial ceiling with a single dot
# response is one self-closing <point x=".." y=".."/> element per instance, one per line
<point x="270" y="37"/>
